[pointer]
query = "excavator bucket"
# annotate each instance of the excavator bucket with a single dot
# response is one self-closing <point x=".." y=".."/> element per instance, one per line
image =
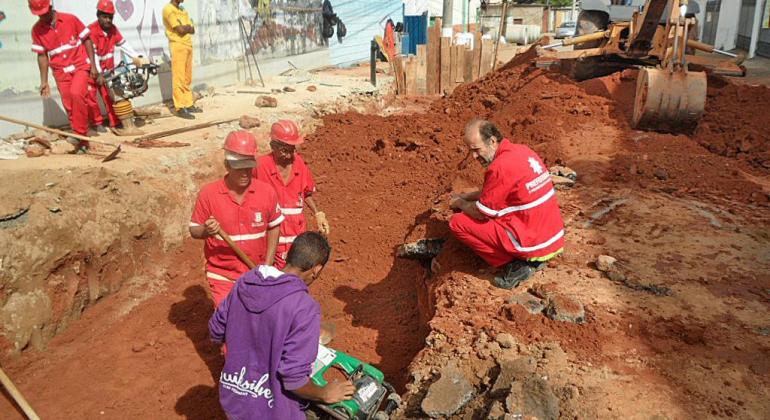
<point x="669" y="101"/>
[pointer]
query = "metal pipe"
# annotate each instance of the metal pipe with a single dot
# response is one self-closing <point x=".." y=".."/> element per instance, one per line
<point x="758" y="9"/>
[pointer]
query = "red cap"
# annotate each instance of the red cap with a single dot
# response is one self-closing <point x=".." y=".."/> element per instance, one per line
<point x="39" y="7"/>
<point x="286" y="131"/>
<point x="241" y="142"/>
<point x="106" y="6"/>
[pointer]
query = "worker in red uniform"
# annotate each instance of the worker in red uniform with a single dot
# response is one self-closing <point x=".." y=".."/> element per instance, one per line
<point x="109" y="45"/>
<point x="287" y="173"/>
<point x="62" y="43"/>
<point x="514" y="220"/>
<point x="245" y="208"/>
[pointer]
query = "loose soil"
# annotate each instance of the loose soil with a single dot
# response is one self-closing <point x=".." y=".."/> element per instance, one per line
<point x="686" y="213"/>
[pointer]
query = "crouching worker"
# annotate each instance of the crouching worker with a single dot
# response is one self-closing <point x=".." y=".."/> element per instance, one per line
<point x="271" y="326"/>
<point x="514" y="220"/>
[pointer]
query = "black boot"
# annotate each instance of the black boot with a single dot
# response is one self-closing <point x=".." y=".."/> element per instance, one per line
<point x="517" y="272"/>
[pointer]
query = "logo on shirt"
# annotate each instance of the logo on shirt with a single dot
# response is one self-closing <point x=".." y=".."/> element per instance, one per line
<point x="257" y="219"/>
<point x="535" y="165"/>
<point x="237" y="383"/>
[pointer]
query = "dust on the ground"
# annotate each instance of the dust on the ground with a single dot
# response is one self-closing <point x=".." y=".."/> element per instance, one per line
<point x="678" y="329"/>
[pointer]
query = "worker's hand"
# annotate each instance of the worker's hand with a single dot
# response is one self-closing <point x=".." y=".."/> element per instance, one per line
<point x="100" y="80"/>
<point x="212" y="226"/>
<point x="323" y="224"/>
<point x="45" y="90"/>
<point x="94" y="73"/>
<point x="335" y="391"/>
<point x="456" y="202"/>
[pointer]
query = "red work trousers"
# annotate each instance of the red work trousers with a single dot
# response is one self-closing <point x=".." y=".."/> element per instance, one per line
<point x="219" y="289"/>
<point x="97" y="118"/>
<point x="485" y="237"/>
<point x="73" y="88"/>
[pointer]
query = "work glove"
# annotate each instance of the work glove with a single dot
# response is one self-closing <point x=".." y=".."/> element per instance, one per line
<point x="323" y="224"/>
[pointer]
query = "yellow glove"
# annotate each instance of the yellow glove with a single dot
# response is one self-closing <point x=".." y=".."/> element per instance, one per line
<point x="323" y="224"/>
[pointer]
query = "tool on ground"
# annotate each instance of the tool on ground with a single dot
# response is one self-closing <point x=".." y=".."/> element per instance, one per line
<point x="127" y="81"/>
<point x="108" y="158"/>
<point x="371" y="389"/>
<point x="670" y="96"/>
<point x="17" y="397"/>
<point x="245" y="258"/>
<point x="171" y="132"/>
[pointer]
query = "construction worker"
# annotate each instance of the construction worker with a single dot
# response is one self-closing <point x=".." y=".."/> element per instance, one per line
<point x="287" y="173"/>
<point x="244" y="208"/>
<point x="271" y="327"/>
<point x="109" y="46"/>
<point x="514" y="220"/>
<point x="62" y="43"/>
<point x="179" y="31"/>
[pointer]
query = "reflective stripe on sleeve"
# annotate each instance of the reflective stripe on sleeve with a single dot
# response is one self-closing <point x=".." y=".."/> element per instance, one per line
<point x="499" y="213"/>
<point x="291" y="211"/>
<point x="38" y="48"/>
<point x="84" y="33"/>
<point x="277" y="221"/>
<point x="286" y="239"/>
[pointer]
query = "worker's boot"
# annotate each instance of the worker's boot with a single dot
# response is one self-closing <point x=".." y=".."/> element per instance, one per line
<point x="516" y="272"/>
<point x="79" y="147"/>
<point x="127" y="128"/>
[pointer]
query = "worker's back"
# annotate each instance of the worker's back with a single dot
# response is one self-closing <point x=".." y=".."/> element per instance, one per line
<point x="271" y="327"/>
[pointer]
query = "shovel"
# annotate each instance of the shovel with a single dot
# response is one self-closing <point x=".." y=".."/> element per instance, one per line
<point x="23" y="404"/>
<point x="108" y="158"/>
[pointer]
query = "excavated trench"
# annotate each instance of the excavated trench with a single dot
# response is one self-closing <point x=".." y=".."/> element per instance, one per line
<point x="383" y="181"/>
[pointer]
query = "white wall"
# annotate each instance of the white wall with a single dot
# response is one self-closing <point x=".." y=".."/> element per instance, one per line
<point x="727" y="31"/>
<point x="436" y="8"/>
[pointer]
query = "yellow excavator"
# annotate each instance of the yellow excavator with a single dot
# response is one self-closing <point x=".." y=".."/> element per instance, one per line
<point x="656" y="39"/>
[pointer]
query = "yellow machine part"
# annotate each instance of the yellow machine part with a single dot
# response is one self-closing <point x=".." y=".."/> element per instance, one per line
<point x="123" y="109"/>
<point x="668" y="100"/>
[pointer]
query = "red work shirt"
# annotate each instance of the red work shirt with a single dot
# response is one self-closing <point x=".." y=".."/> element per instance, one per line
<point x="63" y="42"/>
<point x="246" y="223"/>
<point x="104" y="44"/>
<point x="291" y="195"/>
<point x="519" y="195"/>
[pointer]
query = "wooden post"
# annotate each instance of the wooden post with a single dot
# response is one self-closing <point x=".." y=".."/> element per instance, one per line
<point x="421" y="67"/>
<point x="486" y="56"/>
<point x="459" y="51"/>
<point x="433" y="69"/>
<point x="468" y="65"/>
<point x="411" y="75"/>
<point x="499" y="33"/>
<point x="398" y="74"/>
<point x="452" y="81"/>
<point x="446" y="64"/>
<point x="476" y="54"/>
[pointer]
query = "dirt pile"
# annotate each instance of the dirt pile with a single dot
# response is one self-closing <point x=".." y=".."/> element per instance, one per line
<point x="736" y="124"/>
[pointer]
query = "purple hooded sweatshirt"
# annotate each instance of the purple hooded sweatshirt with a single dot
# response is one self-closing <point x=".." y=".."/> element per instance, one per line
<point x="271" y="327"/>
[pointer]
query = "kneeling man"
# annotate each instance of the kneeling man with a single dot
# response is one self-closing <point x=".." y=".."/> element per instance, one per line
<point x="514" y="220"/>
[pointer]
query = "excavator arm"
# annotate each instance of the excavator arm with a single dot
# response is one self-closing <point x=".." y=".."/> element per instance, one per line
<point x="640" y="41"/>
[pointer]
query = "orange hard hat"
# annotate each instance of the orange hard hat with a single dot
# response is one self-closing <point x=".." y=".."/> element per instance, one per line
<point x="241" y="142"/>
<point x="106" y="6"/>
<point x="286" y="131"/>
<point x="39" y="7"/>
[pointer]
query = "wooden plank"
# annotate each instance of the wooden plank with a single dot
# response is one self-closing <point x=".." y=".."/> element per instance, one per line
<point x="411" y="75"/>
<point x="446" y="64"/>
<point x="476" y="55"/>
<point x="459" y="53"/>
<point x="422" y="65"/>
<point x="468" y="68"/>
<point x="452" y="80"/>
<point x="433" y="69"/>
<point x="487" y="46"/>
<point x="398" y="62"/>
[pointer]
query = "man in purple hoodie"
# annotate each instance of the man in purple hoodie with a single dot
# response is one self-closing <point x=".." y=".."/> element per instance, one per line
<point x="271" y="326"/>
